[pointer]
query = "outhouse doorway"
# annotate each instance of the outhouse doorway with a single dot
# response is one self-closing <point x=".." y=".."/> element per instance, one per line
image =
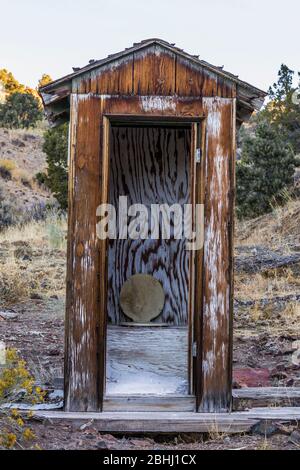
<point x="152" y="270"/>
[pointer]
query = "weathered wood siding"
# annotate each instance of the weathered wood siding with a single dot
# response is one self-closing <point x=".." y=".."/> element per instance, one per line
<point x="85" y="326"/>
<point x="154" y="71"/>
<point x="217" y="271"/>
<point x="150" y="166"/>
<point x="82" y="318"/>
<point x="93" y="98"/>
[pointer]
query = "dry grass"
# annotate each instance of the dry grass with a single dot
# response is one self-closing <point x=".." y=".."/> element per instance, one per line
<point x="14" y="286"/>
<point x="279" y="229"/>
<point x="23" y="149"/>
<point x="22" y="176"/>
<point x="6" y="168"/>
<point x="264" y="445"/>
<point x="290" y="314"/>
<point x="9" y="170"/>
<point x="38" y="232"/>
<point x="33" y="260"/>
<point x="215" y="434"/>
<point x="277" y="282"/>
<point x="23" y="133"/>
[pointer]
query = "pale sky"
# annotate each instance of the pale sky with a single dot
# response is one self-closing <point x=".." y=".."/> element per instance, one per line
<point x="250" y="38"/>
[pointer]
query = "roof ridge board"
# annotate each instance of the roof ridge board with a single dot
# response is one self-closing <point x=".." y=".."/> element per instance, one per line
<point x="143" y="44"/>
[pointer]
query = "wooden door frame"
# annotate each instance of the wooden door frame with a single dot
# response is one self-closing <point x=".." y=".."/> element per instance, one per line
<point x="197" y="196"/>
<point x="199" y="132"/>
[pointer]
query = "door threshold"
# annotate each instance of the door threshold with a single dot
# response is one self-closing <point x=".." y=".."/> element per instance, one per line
<point x="149" y="403"/>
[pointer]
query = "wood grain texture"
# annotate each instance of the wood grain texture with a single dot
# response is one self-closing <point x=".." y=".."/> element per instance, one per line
<point x="154" y="71"/>
<point x="116" y="78"/>
<point x="86" y="281"/>
<point x="216" y="323"/>
<point x="82" y="380"/>
<point x="178" y="403"/>
<point x="200" y="189"/>
<point x="147" y="361"/>
<point x="150" y="166"/>
<point x="246" y="398"/>
<point x="194" y="80"/>
<point x="155" y="422"/>
<point x="168" y="422"/>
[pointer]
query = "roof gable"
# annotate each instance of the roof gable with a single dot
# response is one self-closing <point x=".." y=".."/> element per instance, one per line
<point x="114" y="71"/>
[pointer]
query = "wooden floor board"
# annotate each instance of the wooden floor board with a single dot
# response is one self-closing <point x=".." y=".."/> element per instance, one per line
<point x="169" y="422"/>
<point x="265" y="396"/>
<point x="149" y="403"/>
<point x="146" y="360"/>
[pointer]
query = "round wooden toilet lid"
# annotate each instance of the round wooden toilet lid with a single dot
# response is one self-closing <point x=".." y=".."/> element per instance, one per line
<point x="142" y="298"/>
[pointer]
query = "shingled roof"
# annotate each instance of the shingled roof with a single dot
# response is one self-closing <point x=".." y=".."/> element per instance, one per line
<point x="55" y="95"/>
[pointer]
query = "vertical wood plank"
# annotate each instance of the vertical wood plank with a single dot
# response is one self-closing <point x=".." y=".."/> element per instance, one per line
<point x="194" y="80"/>
<point x="114" y="78"/>
<point x="200" y="187"/>
<point x="69" y="279"/>
<point x="189" y="78"/>
<point x="82" y="371"/>
<point x="103" y="264"/>
<point x="154" y="72"/>
<point x="216" y="334"/>
<point x="231" y="234"/>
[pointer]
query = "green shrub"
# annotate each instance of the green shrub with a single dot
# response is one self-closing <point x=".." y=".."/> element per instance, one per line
<point x="56" y="231"/>
<point x="20" y="110"/>
<point x="41" y="178"/>
<point x="267" y="166"/>
<point x="56" y="148"/>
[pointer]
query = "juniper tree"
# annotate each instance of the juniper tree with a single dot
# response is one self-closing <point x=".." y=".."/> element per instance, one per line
<point x="56" y="148"/>
<point x="266" y="167"/>
<point x="282" y="111"/>
<point x="20" y="110"/>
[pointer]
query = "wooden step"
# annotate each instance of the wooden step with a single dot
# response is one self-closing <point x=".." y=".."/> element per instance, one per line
<point x="169" y="422"/>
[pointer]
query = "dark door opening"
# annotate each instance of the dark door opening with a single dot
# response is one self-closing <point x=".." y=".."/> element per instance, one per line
<point x="150" y="164"/>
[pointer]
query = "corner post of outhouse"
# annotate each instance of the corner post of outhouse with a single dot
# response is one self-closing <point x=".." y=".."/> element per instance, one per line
<point x="217" y="305"/>
<point x="82" y="300"/>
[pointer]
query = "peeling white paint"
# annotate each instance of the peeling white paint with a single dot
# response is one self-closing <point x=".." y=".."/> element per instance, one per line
<point x="217" y="298"/>
<point x="213" y="108"/>
<point x="157" y="103"/>
<point x="208" y="363"/>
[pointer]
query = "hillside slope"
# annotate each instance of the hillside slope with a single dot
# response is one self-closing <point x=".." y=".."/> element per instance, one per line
<point x="22" y="150"/>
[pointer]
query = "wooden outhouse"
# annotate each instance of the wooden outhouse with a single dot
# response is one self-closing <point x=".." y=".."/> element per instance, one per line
<point x="158" y="126"/>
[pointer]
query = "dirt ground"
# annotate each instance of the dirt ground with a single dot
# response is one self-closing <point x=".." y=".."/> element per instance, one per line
<point x="60" y="436"/>
<point x="36" y="329"/>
